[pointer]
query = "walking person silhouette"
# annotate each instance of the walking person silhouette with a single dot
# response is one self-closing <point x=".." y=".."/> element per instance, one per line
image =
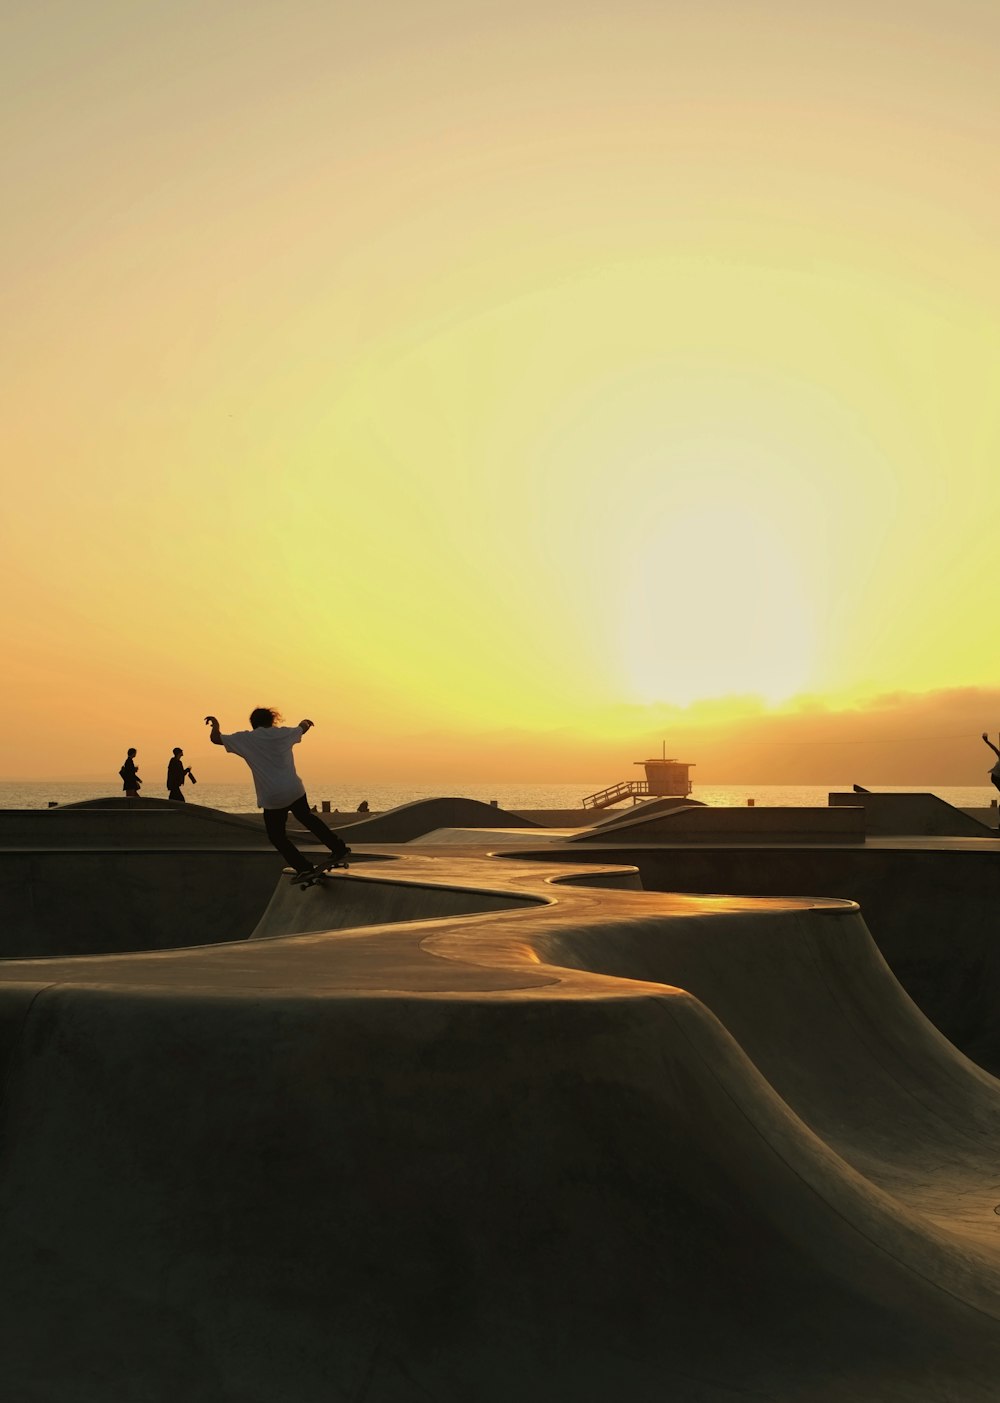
<point x="130" y="775"/>
<point x="267" y="749"/>
<point x="177" y="773"/>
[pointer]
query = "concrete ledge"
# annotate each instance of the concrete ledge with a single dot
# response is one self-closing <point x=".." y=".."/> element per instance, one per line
<point x="703" y="824"/>
<point x="911" y="815"/>
<point x="90" y="902"/>
<point x="148" y="824"/>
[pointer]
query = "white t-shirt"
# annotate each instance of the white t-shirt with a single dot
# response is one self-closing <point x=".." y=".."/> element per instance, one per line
<point x="268" y="752"/>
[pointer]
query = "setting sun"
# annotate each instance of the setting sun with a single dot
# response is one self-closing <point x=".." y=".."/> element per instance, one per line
<point x="677" y="603"/>
<point x="486" y="381"/>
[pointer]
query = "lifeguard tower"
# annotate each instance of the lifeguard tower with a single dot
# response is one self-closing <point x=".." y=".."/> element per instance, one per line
<point x="665" y="778"/>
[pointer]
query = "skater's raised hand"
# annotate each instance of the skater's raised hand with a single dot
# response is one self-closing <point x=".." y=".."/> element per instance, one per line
<point x="305" y="726"/>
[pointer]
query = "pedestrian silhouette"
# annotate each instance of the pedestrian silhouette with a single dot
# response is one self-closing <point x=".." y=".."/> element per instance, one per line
<point x="177" y="773"/>
<point x="130" y="775"/>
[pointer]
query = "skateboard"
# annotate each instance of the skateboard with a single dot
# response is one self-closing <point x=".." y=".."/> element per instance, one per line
<point x="315" y="874"/>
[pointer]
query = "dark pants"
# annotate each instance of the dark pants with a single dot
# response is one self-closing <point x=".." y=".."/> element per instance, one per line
<point x="176" y="795"/>
<point x="274" y="823"/>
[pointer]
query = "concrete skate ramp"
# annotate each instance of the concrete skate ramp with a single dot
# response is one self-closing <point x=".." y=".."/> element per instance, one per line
<point x="703" y="824"/>
<point x="111" y="824"/>
<point x="815" y="1007"/>
<point x="497" y="1156"/>
<point x="155" y="822"/>
<point x="912" y="815"/>
<point x="931" y="905"/>
<point x="643" y="811"/>
<point x="342" y="902"/>
<point x="409" y="821"/>
<point x="86" y="902"/>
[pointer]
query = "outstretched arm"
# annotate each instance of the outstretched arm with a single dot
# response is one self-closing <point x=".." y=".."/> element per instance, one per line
<point x="307" y="726"/>
<point x="216" y="736"/>
<point x="991" y="745"/>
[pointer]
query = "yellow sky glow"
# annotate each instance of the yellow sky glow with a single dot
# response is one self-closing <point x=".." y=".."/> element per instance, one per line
<point x="429" y="369"/>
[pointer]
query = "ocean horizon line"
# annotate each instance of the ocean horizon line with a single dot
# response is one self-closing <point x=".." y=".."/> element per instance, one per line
<point x="345" y="797"/>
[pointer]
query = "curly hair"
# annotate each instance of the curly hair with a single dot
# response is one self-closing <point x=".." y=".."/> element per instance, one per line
<point x="264" y="716"/>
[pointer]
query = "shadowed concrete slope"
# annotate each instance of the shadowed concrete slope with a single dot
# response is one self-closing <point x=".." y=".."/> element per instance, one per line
<point x="411" y="821"/>
<point x="495" y="1156"/>
<point x="341" y="902"/>
<point x="107" y="823"/>
<point x="638" y="812"/>
<point x="912" y="815"/>
<point x="89" y="902"/>
<point x="816" y="1008"/>
<point x="153" y="823"/>
<point x="931" y="905"/>
<point x="117" y="802"/>
<point x="687" y="823"/>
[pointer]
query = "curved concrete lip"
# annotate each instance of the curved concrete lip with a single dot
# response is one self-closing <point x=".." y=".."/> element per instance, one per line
<point x="499" y="902"/>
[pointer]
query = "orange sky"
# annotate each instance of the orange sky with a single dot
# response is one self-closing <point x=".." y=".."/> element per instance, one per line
<point x="503" y="387"/>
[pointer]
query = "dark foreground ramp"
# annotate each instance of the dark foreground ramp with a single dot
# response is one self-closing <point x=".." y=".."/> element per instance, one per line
<point x="494" y="1157"/>
<point x="815" y="1007"/>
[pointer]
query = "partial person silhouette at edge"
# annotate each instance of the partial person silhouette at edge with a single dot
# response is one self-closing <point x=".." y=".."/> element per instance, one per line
<point x="130" y="775"/>
<point x="267" y="749"/>
<point x="995" y="772"/>
<point x="177" y="773"/>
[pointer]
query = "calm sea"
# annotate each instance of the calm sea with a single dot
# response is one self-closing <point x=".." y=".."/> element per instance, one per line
<point x="238" y="798"/>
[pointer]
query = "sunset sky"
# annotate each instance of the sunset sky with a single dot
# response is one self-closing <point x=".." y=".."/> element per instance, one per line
<point x="505" y="387"/>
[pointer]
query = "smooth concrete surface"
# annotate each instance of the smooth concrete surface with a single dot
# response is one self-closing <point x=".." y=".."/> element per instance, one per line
<point x="88" y="902"/>
<point x="556" y="818"/>
<point x="591" y="1143"/>
<point x="410" y="821"/>
<point x="110" y="822"/>
<point x="932" y="905"/>
<point x="153" y="824"/>
<point x="346" y="901"/>
<point x="495" y="837"/>
<point x="911" y="815"/>
<point x="703" y="824"/>
<point x="604" y="819"/>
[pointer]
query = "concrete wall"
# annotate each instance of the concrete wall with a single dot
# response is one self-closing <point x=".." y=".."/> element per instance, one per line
<point x="914" y="815"/>
<point x="717" y="825"/>
<point x="121" y="826"/>
<point x="85" y="903"/>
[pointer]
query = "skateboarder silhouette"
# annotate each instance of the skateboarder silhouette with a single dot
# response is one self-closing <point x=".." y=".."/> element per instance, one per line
<point x="267" y="749"/>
